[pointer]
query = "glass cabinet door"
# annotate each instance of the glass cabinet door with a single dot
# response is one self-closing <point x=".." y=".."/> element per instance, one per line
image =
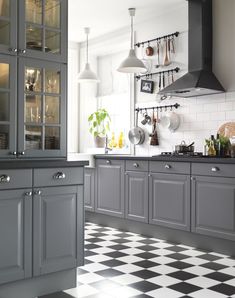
<point x="42" y="119"/>
<point x="7" y="106"/>
<point x="8" y="25"/>
<point x="43" y="29"/>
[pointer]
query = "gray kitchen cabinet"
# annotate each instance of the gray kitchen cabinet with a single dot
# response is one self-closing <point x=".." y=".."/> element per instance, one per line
<point x="7" y="106"/>
<point x="15" y="235"/>
<point x="213" y="205"/>
<point x="8" y="27"/>
<point x="56" y="229"/>
<point x="110" y="187"/>
<point x="89" y="189"/>
<point x="136" y="196"/>
<point x="42" y="108"/>
<point x="169" y="200"/>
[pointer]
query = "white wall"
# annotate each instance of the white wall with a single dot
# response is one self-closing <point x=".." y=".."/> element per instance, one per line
<point x="73" y="98"/>
<point x="202" y="116"/>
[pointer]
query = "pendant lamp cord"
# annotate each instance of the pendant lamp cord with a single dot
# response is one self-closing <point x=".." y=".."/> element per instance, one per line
<point x="87" y="48"/>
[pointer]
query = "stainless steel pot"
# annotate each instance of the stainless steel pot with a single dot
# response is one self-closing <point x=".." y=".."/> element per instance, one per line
<point x="136" y="135"/>
<point x="183" y="148"/>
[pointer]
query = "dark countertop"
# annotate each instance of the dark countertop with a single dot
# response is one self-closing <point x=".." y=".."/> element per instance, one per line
<point x="33" y="163"/>
<point x="204" y="159"/>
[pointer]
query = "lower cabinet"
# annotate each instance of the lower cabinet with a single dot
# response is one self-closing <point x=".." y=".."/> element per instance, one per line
<point x="41" y="228"/>
<point x="136" y="196"/>
<point x="15" y="234"/>
<point x="110" y="187"/>
<point x="89" y="189"/>
<point x="213" y="206"/>
<point x="169" y="200"/>
<point x="55" y="228"/>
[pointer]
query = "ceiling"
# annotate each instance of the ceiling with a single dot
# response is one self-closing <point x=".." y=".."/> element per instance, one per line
<point x="104" y="16"/>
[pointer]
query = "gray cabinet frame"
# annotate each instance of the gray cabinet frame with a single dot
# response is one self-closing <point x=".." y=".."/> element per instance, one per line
<point x="62" y="57"/>
<point x="110" y="187"/>
<point x="172" y="211"/>
<point x="63" y="107"/>
<point x="136" y="196"/>
<point x="213" y="206"/>
<point x="17" y="230"/>
<point x="89" y="189"/>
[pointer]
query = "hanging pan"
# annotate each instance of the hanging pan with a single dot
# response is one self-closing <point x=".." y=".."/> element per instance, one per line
<point x="136" y="135"/>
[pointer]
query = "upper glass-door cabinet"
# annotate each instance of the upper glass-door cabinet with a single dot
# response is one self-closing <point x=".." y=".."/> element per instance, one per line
<point x="8" y="26"/>
<point x="43" y="29"/>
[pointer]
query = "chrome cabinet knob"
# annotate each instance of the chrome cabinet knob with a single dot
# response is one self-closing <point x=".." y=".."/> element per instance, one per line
<point x="22" y="51"/>
<point x="37" y="192"/>
<point x="108" y="162"/>
<point x="59" y="175"/>
<point x="193" y="178"/>
<point x="21" y="153"/>
<point x="14" y="50"/>
<point x="28" y="194"/>
<point x="135" y="165"/>
<point x="167" y="166"/>
<point x="215" y="169"/>
<point x="5" y="178"/>
<point x="13" y="153"/>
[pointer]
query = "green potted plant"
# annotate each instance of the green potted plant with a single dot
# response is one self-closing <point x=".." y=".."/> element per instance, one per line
<point x="99" y="126"/>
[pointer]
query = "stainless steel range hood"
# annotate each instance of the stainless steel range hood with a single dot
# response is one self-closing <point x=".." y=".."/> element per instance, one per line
<point x="200" y="79"/>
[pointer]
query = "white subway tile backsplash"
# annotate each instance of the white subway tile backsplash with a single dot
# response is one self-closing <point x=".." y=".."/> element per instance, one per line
<point x="200" y="118"/>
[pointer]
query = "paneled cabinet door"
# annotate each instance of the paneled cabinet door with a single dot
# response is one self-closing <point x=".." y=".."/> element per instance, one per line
<point x="58" y="220"/>
<point x="213" y="205"/>
<point x="15" y="235"/>
<point x="89" y="189"/>
<point x="169" y="200"/>
<point x="43" y="29"/>
<point x="42" y="109"/>
<point x="110" y="187"/>
<point x="136" y="196"/>
<point x="7" y="106"/>
<point x="8" y="27"/>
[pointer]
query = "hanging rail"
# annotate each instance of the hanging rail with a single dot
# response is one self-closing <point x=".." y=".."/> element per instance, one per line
<point x="138" y="44"/>
<point x="176" y="106"/>
<point x="151" y="74"/>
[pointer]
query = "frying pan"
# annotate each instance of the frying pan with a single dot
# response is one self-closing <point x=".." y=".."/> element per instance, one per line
<point x="136" y="135"/>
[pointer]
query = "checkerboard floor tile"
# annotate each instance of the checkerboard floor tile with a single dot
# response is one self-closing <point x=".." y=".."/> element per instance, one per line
<point x="121" y="264"/>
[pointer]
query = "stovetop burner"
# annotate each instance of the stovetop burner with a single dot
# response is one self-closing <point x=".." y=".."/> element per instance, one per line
<point x="184" y="154"/>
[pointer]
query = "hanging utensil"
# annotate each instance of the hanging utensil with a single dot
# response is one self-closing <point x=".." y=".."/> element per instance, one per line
<point x="149" y="50"/>
<point x="163" y="80"/>
<point x="154" y="136"/>
<point x="166" y="61"/>
<point x="158" y="53"/>
<point x="136" y="135"/>
<point x="160" y="82"/>
<point x="172" y="77"/>
<point x="172" y="40"/>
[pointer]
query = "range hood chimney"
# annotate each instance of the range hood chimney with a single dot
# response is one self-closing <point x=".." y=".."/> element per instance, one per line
<point x="200" y="79"/>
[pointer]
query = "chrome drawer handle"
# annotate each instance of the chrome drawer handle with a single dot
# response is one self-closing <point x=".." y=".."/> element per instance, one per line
<point x="167" y="166"/>
<point x="215" y="169"/>
<point x="5" y="179"/>
<point x="28" y="194"/>
<point x="37" y="192"/>
<point x="135" y="165"/>
<point x="108" y="162"/>
<point x="59" y="175"/>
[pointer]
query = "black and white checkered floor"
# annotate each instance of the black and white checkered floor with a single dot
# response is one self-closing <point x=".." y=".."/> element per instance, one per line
<point x="122" y="264"/>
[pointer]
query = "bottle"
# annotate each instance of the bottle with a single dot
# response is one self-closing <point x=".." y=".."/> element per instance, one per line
<point x="113" y="143"/>
<point x="211" y="148"/>
<point x="121" y="140"/>
<point x="217" y="145"/>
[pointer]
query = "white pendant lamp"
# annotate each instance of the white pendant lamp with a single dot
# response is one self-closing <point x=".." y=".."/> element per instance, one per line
<point x="87" y="75"/>
<point x="132" y="64"/>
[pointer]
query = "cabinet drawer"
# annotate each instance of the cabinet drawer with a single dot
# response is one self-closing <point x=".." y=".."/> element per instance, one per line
<point x="211" y="169"/>
<point x="169" y="167"/>
<point x="10" y="179"/>
<point x="58" y="176"/>
<point x="137" y="165"/>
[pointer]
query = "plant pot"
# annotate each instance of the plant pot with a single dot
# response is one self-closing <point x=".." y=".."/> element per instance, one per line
<point x="99" y="142"/>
